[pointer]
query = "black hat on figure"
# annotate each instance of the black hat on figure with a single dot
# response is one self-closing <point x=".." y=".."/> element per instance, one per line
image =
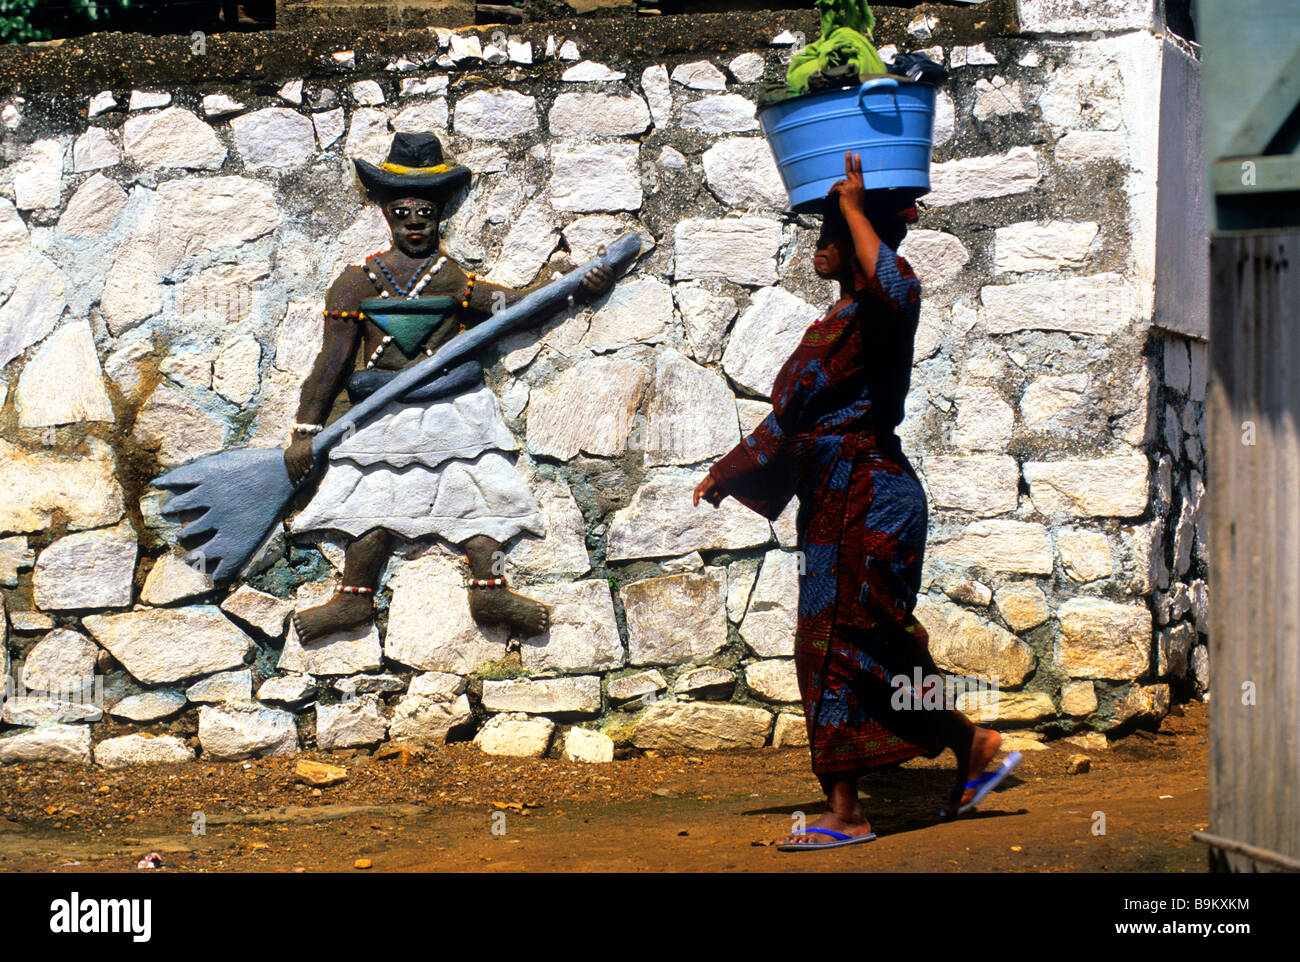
<point x="415" y="162"/>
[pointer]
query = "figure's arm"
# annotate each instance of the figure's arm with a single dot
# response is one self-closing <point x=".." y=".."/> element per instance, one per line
<point x="758" y="472"/>
<point x="486" y="298"/>
<point x="338" y="347"/>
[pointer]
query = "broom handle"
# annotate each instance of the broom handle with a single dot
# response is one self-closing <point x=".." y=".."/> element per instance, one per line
<point x="528" y="308"/>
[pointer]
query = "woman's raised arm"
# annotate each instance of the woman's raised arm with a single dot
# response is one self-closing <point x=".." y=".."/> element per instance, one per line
<point x="890" y="276"/>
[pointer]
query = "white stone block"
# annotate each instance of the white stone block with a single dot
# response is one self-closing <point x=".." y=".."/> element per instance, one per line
<point x="741" y="172"/>
<point x="676" y="619"/>
<point x="772" y="613"/>
<point x="1097" y="487"/>
<point x="1085" y="16"/>
<point x="172" y="138"/>
<point x="95" y="149"/>
<point x="598" y="115"/>
<point x="239" y="730"/>
<point x="678" y="429"/>
<point x="998" y="546"/>
<point x="515" y="734"/>
<point x="747" y="68"/>
<point x="495" y="114"/>
<point x="1037" y="246"/>
<point x="963" y="643"/>
<point x="1103" y="639"/>
<point x="142" y="750"/>
<point x="590" y="72"/>
<point x="1097" y="304"/>
<point x="720" y="114"/>
<point x="739" y="249"/>
<point x="63" y="383"/>
<point x="982" y="485"/>
<point x="583" y="633"/>
<point x="545" y="696"/>
<point x="973" y="178"/>
<point x="702" y="726"/>
<point x="585" y="745"/>
<point x="658" y="93"/>
<point x="936" y="257"/>
<point x="606" y="177"/>
<point x="88" y="569"/>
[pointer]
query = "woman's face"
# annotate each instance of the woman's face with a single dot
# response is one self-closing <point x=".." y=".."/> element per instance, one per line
<point x="831" y="256"/>
<point x="414" y="224"/>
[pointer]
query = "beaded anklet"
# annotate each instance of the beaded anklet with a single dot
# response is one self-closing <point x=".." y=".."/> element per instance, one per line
<point x="485" y="583"/>
<point x="350" y="590"/>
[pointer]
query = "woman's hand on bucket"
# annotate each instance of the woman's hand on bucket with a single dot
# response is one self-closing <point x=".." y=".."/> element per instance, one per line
<point x="708" y="490"/>
<point x="850" y="191"/>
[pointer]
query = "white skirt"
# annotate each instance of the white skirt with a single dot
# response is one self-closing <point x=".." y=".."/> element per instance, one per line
<point x="429" y="468"/>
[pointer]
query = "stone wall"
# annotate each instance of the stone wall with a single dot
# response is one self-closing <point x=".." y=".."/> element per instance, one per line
<point x="164" y="251"/>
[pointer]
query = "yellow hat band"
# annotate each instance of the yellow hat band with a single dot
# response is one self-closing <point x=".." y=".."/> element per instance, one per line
<point x="399" y="169"/>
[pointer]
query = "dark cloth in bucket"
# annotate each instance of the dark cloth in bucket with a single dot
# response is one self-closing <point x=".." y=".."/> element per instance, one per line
<point x="918" y="66"/>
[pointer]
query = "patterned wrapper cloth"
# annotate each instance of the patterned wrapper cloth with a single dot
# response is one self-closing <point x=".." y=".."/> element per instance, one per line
<point x="861" y="525"/>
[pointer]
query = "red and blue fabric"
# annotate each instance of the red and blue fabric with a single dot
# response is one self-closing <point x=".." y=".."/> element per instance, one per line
<point x="861" y="522"/>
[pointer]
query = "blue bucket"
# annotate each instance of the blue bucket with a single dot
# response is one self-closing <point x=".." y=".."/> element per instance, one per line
<point x="888" y="120"/>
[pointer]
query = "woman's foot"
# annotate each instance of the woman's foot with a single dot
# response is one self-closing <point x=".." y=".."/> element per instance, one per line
<point x="844" y="812"/>
<point x="971" y="762"/>
<point x="848" y="826"/>
<point x="340" y="613"/>
<point x="497" y="606"/>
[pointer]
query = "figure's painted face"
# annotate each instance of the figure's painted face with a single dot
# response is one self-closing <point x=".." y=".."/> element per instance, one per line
<point x="414" y="224"/>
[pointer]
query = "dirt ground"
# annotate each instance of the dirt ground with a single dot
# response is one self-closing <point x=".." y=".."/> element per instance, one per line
<point x="455" y="809"/>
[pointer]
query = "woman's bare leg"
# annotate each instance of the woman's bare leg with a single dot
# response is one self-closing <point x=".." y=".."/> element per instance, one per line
<point x="845" y="813"/>
<point x="973" y="746"/>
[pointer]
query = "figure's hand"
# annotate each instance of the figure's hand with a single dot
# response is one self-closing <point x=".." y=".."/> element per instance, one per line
<point x="597" y="280"/>
<point x="708" y="490"/>
<point x="298" y="458"/>
<point x="850" y="191"/>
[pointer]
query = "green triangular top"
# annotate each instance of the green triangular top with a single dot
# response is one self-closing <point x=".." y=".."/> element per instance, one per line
<point x="408" y="320"/>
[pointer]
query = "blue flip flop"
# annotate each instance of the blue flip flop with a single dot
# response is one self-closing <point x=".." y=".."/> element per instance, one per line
<point x="983" y="784"/>
<point x="839" y="839"/>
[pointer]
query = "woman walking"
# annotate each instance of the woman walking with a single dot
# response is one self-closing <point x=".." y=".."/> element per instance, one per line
<point x="861" y="523"/>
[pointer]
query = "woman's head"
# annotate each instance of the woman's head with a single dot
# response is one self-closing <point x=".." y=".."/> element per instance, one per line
<point x="888" y="211"/>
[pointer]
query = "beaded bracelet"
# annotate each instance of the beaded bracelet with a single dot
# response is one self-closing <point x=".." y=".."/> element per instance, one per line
<point x="308" y="428"/>
<point x="344" y="315"/>
<point x="469" y="289"/>
<point x="485" y="583"/>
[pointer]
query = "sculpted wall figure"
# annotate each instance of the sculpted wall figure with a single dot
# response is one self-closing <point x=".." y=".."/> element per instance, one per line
<point x="429" y="466"/>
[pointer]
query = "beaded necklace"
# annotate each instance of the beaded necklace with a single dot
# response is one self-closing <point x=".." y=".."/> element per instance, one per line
<point x="416" y="287"/>
<point x="414" y="291"/>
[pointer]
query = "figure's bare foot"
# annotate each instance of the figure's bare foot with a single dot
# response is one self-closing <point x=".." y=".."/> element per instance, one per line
<point x="854" y="826"/>
<point x="340" y="613"/>
<point x="497" y="606"/>
<point x="984" y="745"/>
